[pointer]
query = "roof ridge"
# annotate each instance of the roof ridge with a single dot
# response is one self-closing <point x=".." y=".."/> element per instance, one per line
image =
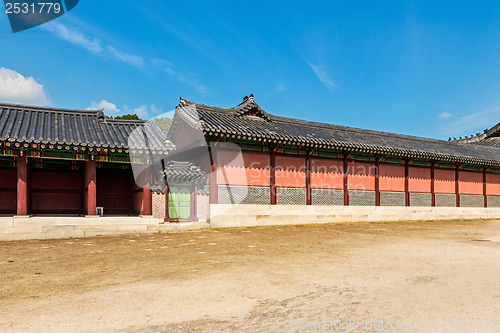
<point x="362" y="130"/>
<point x="45" y="108"/>
<point x="247" y="100"/>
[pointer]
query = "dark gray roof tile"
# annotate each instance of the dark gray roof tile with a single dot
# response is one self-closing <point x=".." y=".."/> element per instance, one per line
<point x="26" y="124"/>
<point x="236" y="121"/>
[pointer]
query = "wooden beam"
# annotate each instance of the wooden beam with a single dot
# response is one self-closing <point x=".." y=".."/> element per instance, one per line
<point x="308" y="181"/>
<point x="22" y="185"/>
<point x="91" y="187"/>
<point x="272" y="177"/>
<point x="457" y="186"/>
<point x="433" y="191"/>
<point x="485" y="193"/>
<point x="345" y="183"/>
<point x="407" y="184"/>
<point x="377" y="183"/>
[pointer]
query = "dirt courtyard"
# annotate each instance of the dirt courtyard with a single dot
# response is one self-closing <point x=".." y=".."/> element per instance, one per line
<point x="417" y="277"/>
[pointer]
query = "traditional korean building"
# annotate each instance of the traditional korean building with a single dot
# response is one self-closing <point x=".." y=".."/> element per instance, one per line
<point x="57" y="162"/>
<point x="279" y="162"/>
<point x="236" y="166"/>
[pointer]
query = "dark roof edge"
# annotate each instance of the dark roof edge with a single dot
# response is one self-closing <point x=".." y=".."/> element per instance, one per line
<point x="296" y="121"/>
<point x="46" y="108"/>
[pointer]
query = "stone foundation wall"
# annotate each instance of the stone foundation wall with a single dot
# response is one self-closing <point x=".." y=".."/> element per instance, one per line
<point x="18" y="228"/>
<point x="260" y="215"/>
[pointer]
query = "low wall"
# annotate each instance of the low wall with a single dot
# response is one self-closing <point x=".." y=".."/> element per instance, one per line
<point x="18" y="228"/>
<point x="261" y="215"/>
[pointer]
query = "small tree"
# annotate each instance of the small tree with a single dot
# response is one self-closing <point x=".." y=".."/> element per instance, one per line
<point x="127" y="117"/>
<point x="163" y="123"/>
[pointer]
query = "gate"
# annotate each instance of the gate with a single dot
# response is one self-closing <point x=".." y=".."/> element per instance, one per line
<point x="179" y="204"/>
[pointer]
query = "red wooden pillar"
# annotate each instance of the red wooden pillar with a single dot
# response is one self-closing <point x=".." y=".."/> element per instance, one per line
<point x="91" y="184"/>
<point x="345" y="183"/>
<point x="377" y="183"/>
<point x="433" y="191"/>
<point x="147" y="195"/>
<point x="272" y="178"/>
<point x="167" y="218"/>
<point x="407" y="184"/>
<point x="22" y="185"/>
<point x="485" y="194"/>
<point x="214" y="191"/>
<point x="457" y="187"/>
<point x="308" y="181"/>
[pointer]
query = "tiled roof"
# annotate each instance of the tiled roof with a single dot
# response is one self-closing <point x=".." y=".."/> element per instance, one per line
<point x="491" y="142"/>
<point x="182" y="170"/>
<point x="30" y="124"/>
<point x="249" y="122"/>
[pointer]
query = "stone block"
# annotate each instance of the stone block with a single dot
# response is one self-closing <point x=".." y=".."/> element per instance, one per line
<point x="6" y="221"/>
<point x="25" y="230"/>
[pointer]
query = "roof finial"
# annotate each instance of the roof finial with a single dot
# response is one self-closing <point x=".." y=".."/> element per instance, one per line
<point x="182" y="101"/>
<point x="245" y="98"/>
<point x="251" y="97"/>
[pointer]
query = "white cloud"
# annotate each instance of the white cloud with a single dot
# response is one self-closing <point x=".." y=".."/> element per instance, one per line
<point x="16" y="88"/>
<point x="142" y="111"/>
<point x="473" y="122"/>
<point x="189" y="80"/>
<point x="323" y="77"/>
<point x="145" y="112"/>
<point x="445" y="115"/>
<point x="91" y="44"/>
<point x="127" y="58"/>
<point x="107" y="107"/>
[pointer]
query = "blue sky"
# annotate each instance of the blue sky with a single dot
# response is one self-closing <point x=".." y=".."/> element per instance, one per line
<point x="423" y="68"/>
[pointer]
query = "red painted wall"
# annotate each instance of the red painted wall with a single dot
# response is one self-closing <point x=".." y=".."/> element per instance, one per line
<point x="361" y="176"/>
<point x="56" y="192"/>
<point x="492" y="184"/>
<point x="245" y="168"/>
<point x="114" y="191"/>
<point x="444" y="181"/>
<point x="8" y="191"/>
<point x="470" y="182"/>
<point x="419" y="180"/>
<point x="290" y="171"/>
<point x="326" y="173"/>
<point x="392" y="177"/>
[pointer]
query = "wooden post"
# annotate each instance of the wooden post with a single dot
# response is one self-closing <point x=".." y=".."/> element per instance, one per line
<point x="407" y="184"/>
<point x="377" y="183"/>
<point x="272" y="177"/>
<point x="91" y="184"/>
<point x="485" y="193"/>
<point x="167" y="218"/>
<point x="147" y="195"/>
<point x="345" y="183"/>
<point x="22" y="185"/>
<point x="214" y="190"/>
<point x="433" y="191"/>
<point x="308" y="181"/>
<point x="194" y="196"/>
<point x="457" y="186"/>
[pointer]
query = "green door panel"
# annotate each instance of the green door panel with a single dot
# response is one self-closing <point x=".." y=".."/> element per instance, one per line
<point x="172" y="203"/>
<point x="179" y="203"/>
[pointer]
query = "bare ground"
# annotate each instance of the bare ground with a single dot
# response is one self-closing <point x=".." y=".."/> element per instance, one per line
<point x="276" y="279"/>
